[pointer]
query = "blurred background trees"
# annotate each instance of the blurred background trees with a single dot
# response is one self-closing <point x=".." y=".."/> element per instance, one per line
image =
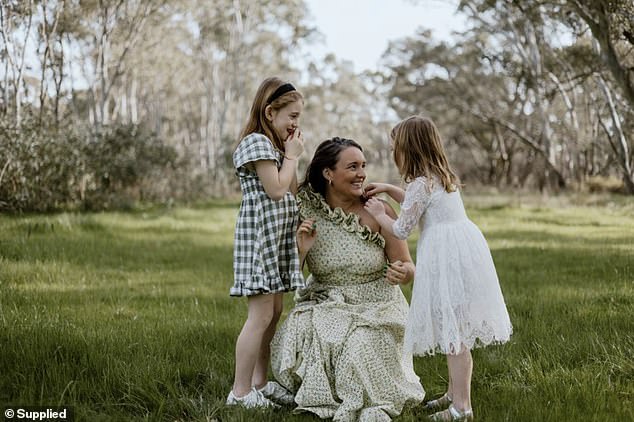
<point x="104" y="103"/>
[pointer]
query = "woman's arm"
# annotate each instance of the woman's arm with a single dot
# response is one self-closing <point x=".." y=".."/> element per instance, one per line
<point x="306" y="235"/>
<point x="401" y="267"/>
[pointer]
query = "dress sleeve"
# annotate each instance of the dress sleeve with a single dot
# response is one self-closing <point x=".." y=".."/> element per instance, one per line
<point x="254" y="147"/>
<point x="417" y="199"/>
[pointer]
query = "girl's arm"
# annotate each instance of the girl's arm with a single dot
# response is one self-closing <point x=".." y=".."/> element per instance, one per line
<point x="395" y="192"/>
<point x="377" y="208"/>
<point x="415" y="202"/>
<point x="276" y="183"/>
<point x="294" y="184"/>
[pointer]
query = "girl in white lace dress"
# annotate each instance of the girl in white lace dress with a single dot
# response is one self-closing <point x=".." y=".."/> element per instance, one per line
<point x="456" y="301"/>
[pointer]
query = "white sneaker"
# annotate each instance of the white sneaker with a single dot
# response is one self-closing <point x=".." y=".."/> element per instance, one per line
<point x="275" y="392"/>
<point x="252" y="400"/>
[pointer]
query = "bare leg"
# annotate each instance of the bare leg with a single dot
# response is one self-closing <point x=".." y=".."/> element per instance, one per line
<point x="260" y="373"/>
<point x="460" y="369"/>
<point x="449" y="392"/>
<point x="260" y="315"/>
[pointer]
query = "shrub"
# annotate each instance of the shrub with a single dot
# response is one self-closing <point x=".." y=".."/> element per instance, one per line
<point x="125" y="164"/>
<point x="44" y="168"/>
<point x="596" y="184"/>
<point x="39" y="168"/>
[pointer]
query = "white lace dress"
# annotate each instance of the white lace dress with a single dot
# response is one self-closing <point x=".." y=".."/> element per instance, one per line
<point x="456" y="297"/>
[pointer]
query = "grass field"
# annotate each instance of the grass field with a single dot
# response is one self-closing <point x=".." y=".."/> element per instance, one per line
<point x="126" y="316"/>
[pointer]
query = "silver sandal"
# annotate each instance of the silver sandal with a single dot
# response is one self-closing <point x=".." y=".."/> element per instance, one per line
<point x="452" y="414"/>
<point x="440" y="403"/>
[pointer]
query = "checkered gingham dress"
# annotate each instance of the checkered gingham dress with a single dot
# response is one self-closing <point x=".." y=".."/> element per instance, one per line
<point x="265" y="257"/>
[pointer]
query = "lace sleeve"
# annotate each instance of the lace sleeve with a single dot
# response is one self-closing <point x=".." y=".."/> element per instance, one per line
<point x="417" y="199"/>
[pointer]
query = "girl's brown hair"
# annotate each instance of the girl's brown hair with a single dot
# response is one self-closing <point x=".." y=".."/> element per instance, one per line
<point x="418" y="151"/>
<point x="257" y="122"/>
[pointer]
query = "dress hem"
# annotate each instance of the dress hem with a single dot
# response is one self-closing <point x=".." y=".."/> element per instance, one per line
<point x="263" y="292"/>
<point x="296" y="282"/>
<point x="447" y="349"/>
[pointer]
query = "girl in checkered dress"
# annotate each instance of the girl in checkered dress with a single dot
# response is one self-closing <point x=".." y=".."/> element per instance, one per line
<point x="265" y="258"/>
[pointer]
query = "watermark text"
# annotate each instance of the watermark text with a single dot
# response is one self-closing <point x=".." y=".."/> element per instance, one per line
<point x="38" y="413"/>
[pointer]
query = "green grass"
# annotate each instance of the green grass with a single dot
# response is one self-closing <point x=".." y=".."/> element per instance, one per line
<point x="126" y="316"/>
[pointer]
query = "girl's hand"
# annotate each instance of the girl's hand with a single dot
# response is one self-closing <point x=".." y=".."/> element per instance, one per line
<point x="373" y="188"/>
<point x="396" y="273"/>
<point x="306" y="235"/>
<point x="375" y="207"/>
<point x="294" y="145"/>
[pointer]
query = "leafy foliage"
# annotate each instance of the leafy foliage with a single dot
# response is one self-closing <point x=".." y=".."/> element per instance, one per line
<point x="46" y="169"/>
<point x="531" y="95"/>
<point x="521" y="94"/>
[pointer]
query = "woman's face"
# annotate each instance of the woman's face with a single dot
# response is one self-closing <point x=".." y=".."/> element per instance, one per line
<point x="286" y="119"/>
<point x="349" y="173"/>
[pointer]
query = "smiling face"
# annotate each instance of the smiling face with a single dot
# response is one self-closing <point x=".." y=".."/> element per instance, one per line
<point x="349" y="173"/>
<point x="286" y="119"/>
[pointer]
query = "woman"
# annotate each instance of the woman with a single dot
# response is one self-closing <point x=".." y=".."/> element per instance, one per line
<point x="340" y="349"/>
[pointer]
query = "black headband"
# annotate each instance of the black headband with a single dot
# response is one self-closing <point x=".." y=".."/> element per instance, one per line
<point x="283" y="89"/>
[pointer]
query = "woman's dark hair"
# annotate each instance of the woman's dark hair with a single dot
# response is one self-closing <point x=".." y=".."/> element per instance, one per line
<point x="326" y="156"/>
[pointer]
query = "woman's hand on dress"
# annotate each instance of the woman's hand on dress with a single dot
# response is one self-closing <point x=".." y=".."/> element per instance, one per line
<point x="294" y="145"/>
<point x="306" y="235"/>
<point x="396" y="273"/>
<point x="375" y="207"/>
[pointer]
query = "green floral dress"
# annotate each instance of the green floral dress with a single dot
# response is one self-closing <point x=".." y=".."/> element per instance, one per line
<point x="341" y="348"/>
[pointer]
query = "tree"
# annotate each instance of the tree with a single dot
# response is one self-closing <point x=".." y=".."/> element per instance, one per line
<point x="528" y="103"/>
<point x="16" y="20"/>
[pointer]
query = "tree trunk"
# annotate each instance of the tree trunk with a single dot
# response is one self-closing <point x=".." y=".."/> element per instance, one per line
<point x="620" y="144"/>
<point x="600" y="28"/>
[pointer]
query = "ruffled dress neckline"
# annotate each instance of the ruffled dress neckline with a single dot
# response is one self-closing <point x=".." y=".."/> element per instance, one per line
<point x="349" y="221"/>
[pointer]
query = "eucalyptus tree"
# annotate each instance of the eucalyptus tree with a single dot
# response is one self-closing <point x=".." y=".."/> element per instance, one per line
<point x="16" y="27"/>
<point x="458" y="87"/>
<point x="186" y="72"/>
<point x="520" y="43"/>
<point x="523" y="92"/>
<point x="233" y="46"/>
<point x="105" y="33"/>
<point x="611" y="24"/>
<point x="185" y="69"/>
<point x="50" y="18"/>
<point x="343" y="103"/>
